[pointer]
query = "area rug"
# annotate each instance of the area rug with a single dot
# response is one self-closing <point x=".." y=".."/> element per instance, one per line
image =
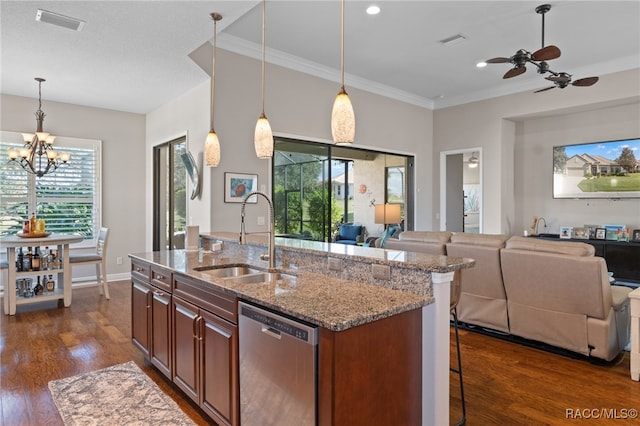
<point x="119" y="395"/>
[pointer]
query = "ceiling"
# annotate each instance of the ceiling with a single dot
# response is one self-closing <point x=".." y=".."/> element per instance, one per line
<point x="134" y="55"/>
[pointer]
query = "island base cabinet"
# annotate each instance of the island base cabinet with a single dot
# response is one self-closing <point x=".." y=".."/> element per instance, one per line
<point x="372" y="374"/>
<point x="141" y="315"/>
<point x="160" y="346"/>
<point x="205" y="361"/>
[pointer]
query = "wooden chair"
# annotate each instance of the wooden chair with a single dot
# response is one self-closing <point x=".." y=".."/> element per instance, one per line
<point x="99" y="258"/>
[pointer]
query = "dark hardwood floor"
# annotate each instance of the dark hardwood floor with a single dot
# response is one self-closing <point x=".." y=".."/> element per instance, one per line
<point x="505" y="383"/>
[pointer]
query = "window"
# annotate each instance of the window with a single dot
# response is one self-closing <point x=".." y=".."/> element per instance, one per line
<point x="68" y="199"/>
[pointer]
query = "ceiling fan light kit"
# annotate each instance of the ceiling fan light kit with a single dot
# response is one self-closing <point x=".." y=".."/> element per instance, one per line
<point x="540" y="59"/>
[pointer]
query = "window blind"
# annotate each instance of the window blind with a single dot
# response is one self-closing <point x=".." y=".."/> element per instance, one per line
<point x="68" y="199"/>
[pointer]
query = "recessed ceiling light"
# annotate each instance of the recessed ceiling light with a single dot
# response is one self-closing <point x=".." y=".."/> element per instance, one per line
<point x="481" y="64"/>
<point x="373" y="10"/>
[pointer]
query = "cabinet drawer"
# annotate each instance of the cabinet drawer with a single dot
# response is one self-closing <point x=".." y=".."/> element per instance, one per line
<point x="141" y="270"/>
<point x="206" y="296"/>
<point x="161" y="278"/>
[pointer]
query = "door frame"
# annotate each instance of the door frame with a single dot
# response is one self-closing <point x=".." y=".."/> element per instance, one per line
<point x="443" y="184"/>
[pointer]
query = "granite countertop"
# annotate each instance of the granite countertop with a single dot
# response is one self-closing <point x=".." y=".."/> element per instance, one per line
<point x="328" y="302"/>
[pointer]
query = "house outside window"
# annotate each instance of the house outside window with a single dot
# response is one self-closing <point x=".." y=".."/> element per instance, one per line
<point x="69" y="199"/>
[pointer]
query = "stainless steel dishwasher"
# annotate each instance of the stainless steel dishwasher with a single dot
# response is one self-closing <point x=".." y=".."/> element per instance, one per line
<point x="278" y="358"/>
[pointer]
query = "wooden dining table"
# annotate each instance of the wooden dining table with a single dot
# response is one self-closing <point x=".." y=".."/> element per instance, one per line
<point x="62" y="290"/>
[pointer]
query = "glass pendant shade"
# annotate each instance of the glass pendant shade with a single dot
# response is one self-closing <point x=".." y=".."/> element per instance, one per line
<point x="263" y="138"/>
<point x="212" y="149"/>
<point x="343" y="119"/>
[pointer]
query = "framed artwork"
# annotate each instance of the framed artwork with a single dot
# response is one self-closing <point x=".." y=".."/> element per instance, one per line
<point x="581" y="233"/>
<point x="566" y="232"/>
<point x="635" y="236"/>
<point x="600" y="233"/>
<point x="238" y="185"/>
<point x="591" y="230"/>
<point x="614" y="232"/>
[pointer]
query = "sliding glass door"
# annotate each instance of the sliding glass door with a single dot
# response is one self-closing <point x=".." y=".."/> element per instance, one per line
<point x="316" y="187"/>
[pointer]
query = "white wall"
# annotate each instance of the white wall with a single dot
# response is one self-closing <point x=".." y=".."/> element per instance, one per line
<point x="534" y="158"/>
<point x="123" y="150"/>
<point x="297" y="105"/>
<point x="501" y="126"/>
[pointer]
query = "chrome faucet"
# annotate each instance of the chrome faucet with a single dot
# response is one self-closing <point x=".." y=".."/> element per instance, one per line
<point x="271" y="256"/>
<point x="538" y="223"/>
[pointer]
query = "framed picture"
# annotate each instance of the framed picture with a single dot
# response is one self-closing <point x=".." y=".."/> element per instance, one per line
<point x="591" y="231"/>
<point x="613" y="232"/>
<point x="635" y="236"/>
<point x="600" y="233"/>
<point x="566" y="232"/>
<point x="238" y="185"/>
<point x="581" y="233"/>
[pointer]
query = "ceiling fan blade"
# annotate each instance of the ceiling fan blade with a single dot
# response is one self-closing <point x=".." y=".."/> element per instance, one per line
<point x="514" y="72"/>
<point x="587" y="81"/>
<point x="545" y="89"/>
<point x="547" y="53"/>
<point x="498" y="60"/>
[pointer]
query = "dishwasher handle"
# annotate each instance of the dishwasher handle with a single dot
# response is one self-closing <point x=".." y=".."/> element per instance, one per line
<point x="270" y="331"/>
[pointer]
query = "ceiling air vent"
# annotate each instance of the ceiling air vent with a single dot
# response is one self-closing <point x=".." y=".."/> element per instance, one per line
<point x="59" y="20"/>
<point x="453" y="40"/>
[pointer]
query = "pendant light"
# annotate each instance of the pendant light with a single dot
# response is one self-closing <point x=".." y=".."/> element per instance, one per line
<point x="343" y="119"/>
<point x="263" y="137"/>
<point x="212" y="144"/>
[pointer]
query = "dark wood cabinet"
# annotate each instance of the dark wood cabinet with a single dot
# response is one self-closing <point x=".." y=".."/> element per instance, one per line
<point x="205" y="351"/>
<point x="151" y="314"/>
<point x="140" y="315"/>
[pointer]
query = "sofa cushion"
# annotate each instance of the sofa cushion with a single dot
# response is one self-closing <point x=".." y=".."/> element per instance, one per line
<point x="486" y="240"/>
<point x="558" y="247"/>
<point x="349" y="232"/>
<point x="425" y="236"/>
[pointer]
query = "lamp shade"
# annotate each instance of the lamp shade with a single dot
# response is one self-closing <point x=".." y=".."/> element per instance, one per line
<point x="343" y="119"/>
<point x="212" y="149"/>
<point x="388" y="214"/>
<point x="263" y="138"/>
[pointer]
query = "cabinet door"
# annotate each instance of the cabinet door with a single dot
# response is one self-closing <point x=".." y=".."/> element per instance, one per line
<point x="141" y="315"/>
<point x="219" y="355"/>
<point x="160" y="346"/>
<point x="185" y="347"/>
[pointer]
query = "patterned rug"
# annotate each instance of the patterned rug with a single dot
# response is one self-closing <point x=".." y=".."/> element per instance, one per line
<point x="119" y="395"/>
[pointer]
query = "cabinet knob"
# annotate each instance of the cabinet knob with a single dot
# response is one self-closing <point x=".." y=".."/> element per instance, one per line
<point x="159" y="277"/>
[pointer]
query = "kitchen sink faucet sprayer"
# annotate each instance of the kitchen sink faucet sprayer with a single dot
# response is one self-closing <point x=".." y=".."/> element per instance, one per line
<point x="243" y="234"/>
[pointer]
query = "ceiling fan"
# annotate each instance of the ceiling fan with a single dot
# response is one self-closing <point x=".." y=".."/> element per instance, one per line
<point x="538" y="58"/>
<point x="563" y="79"/>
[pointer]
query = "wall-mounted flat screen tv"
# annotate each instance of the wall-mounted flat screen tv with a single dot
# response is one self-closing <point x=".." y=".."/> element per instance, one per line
<point x="608" y="169"/>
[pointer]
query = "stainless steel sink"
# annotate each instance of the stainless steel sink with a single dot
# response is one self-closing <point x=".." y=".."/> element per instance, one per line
<point x="228" y="271"/>
<point x="243" y="274"/>
<point x="261" y="277"/>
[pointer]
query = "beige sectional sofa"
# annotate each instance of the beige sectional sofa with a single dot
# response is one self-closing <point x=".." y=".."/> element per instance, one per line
<point x="549" y="291"/>
<point x="559" y="293"/>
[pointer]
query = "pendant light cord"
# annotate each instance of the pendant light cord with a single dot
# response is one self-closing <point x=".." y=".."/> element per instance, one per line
<point x="216" y="17"/>
<point x="342" y="49"/>
<point x="264" y="8"/>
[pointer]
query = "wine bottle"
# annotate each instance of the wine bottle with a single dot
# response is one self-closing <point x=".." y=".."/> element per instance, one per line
<point x="51" y="284"/>
<point x="35" y="262"/>
<point x="38" y="289"/>
<point x="20" y="261"/>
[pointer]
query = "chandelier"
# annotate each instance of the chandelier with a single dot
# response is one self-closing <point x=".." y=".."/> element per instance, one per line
<point x="37" y="156"/>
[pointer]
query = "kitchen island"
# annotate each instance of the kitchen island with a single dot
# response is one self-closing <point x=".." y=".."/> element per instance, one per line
<point x="383" y="319"/>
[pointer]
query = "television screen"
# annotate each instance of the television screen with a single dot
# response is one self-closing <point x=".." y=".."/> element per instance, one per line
<point x="609" y="169"/>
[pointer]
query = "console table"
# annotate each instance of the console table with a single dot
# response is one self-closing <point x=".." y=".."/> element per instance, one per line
<point x="622" y="257"/>
<point x="61" y="242"/>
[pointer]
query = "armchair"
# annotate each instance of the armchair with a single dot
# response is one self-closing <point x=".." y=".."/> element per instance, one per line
<point x="350" y="234"/>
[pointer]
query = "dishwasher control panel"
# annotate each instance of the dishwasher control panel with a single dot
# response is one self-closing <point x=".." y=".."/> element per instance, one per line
<point x="279" y="323"/>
